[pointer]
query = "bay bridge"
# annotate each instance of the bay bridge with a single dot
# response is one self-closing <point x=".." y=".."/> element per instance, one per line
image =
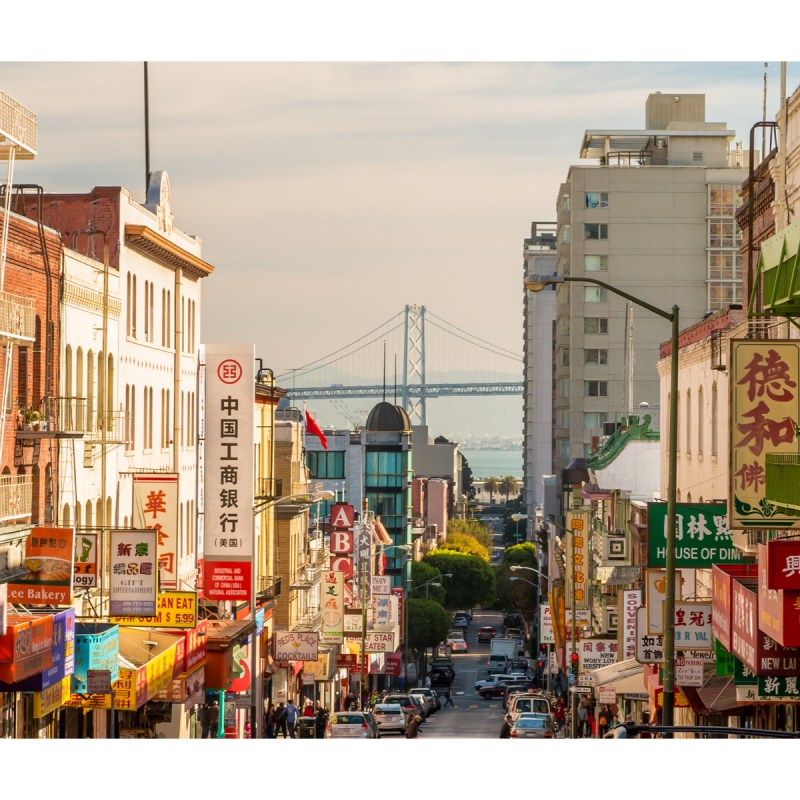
<point x="460" y="364"/>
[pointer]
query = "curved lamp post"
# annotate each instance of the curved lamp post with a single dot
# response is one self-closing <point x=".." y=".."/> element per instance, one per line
<point x="406" y="548"/>
<point x="535" y="283"/>
<point x="517" y="518"/>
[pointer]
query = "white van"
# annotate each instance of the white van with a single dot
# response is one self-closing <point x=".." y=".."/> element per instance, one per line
<point x="535" y="703"/>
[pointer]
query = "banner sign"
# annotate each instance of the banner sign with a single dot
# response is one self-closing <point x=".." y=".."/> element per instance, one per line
<point x="702" y="537"/>
<point x="693" y="626"/>
<point x="725" y="660"/>
<point x="764" y="378"/>
<point x="342" y="542"/>
<point x="546" y="634"/>
<point x="381" y="584"/>
<point x="48" y="556"/>
<point x="778" y="609"/>
<point x="577" y="559"/>
<point x="296" y="645"/>
<point x="650" y="647"/>
<point x="775" y="688"/>
<point x="134" y="577"/>
<point x="743" y="675"/>
<point x="597" y="653"/>
<point x="381" y="609"/>
<point x="173" y="610"/>
<point x="228" y="467"/>
<point x="353" y="624"/>
<point x="343" y="564"/>
<point x="27" y="647"/>
<point x="53" y="697"/>
<point x="656" y="594"/>
<point x="783" y="564"/>
<point x="343" y="516"/>
<point x="332" y="600"/>
<point x="155" y="505"/>
<point x="398" y="592"/>
<point x="631" y="601"/>
<point x="377" y="641"/>
<point x="96" y="647"/>
<point x="85" y="572"/>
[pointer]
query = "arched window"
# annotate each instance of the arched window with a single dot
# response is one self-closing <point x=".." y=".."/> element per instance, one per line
<point x="169" y="318"/>
<point x="163" y="317"/>
<point x="714" y="419"/>
<point x="688" y="421"/>
<point x="66" y="520"/>
<point x="109" y="518"/>
<point x="109" y="405"/>
<point x="99" y="516"/>
<point x="89" y="514"/>
<point x="129" y="306"/>
<point x="146" y="311"/>
<point x="77" y="515"/>
<point x="80" y="390"/>
<point x="90" y="390"/>
<point x="133" y="309"/>
<point x="700" y="421"/>
<point x="67" y="410"/>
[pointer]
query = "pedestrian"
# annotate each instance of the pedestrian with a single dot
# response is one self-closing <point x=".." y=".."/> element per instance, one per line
<point x="308" y="709"/>
<point x="320" y="720"/>
<point x="413" y="727"/>
<point x="505" y="731"/>
<point x="448" y="699"/>
<point x="583" y="717"/>
<point x="592" y="723"/>
<point x="349" y="701"/>
<point x="558" y="714"/>
<point x="292" y="713"/>
<point x="427" y="681"/>
<point x="209" y="720"/>
<point x="269" y="722"/>
<point x="602" y="721"/>
<point x="280" y="721"/>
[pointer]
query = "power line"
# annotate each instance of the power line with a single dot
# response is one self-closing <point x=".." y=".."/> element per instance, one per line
<point x="477" y="338"/>
<point x="498" y="352"/>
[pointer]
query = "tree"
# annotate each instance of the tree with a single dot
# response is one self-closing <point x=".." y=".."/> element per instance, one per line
<point x="472" y="583"/>
<point x="464" y="543"/>
<point x="428" y="624"/>
<point x="508" y="486"/>
<point x="523" y="554"/>
<point x="491" y="485"/>
<point x="421" y="573"/>
<point x="472" y="527"/>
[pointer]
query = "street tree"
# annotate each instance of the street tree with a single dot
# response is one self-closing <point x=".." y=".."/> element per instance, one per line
<point x="463" y="543"/>
<point x="428" y="624"/>
<point x="473" y="582"/>
<point x="422" y="573"/>
<point x="472" y="527"/>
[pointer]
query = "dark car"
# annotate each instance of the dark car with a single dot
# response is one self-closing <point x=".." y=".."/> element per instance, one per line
<point x="494" y="691"/>
<point x="486" y="633"/>
<point x="441" y="677"/>
<point x="513" y="619"/>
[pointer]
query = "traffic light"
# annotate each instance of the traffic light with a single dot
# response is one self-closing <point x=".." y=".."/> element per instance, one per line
<point x="574" y="659"/>
<point x="543" y="650"/>
<point x="540" y="664"/>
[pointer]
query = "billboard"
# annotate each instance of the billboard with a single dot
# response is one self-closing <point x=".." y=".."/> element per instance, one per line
<point x="155" y="505"/>
<point x="49" y="554"/>
<point x="332" y="601"/>
<point x="134" y="574"/>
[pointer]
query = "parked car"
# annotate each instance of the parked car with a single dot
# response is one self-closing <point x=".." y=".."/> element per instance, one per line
<point x="465" y="612"/>
<point x="408" y="703"/>
<point x="492" y="680"/>
<point x="390" y="717"/>
<point x="435" y="702"/>
<point x="461" y="623"/>
<point x="486" y="633"/>
<point x="531" y="702"/>
<point x="515" y="687"/>
<point x="533" y="726"/>
<point x="352" y="725"/>
<point x="441" y="677"/>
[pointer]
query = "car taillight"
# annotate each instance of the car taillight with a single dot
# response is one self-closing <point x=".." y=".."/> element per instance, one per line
<point x="329" y="727"/>
<point x="364" y="727"/>
<point x="548" y="735"/>
<point x="513" y="734"/>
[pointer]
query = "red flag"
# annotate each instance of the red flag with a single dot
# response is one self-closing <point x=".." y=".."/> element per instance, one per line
<point x="382" y="567"/>
<point x="312" y="427"/>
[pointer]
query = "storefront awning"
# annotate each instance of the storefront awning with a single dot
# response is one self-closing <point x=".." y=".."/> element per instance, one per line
<point x="716" y="696"/>
<point x="625" y="676"/>
<point x="222" y="634"/>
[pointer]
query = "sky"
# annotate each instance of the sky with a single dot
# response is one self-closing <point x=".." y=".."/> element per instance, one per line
<point x="340" y="160"/>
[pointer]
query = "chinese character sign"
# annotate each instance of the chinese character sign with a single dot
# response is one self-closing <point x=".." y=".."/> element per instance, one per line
<point x="48" y="559"/>
<point x="578" y="560"/>
<point x="693" y="626"/>
<point x="155" y="505"/>
<point x="228" y="469"/>
<point x="332" y="602"/>
<point x="596" y="653"/>
<point x="702" y="536"/>
<point x="134" y="573"/>
<point x="764" y="396"/>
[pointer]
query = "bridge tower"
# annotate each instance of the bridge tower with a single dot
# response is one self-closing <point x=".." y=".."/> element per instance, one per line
<point x="414" y="363"/>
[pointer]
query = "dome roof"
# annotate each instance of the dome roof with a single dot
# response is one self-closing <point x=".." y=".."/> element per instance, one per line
<point x="388" y="417"/>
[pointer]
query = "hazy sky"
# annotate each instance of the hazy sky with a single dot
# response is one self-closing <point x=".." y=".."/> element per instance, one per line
<point x="328" y="194"/>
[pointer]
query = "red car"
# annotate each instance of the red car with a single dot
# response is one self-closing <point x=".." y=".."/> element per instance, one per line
<point x="486" y="633"/>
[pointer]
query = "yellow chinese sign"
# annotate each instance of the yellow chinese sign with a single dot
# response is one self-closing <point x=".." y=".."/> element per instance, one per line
<point x="764" y="377"/>
<point x="173" y="610"/>
<point x="578" y="560"/>
<point x="48" y="700"/>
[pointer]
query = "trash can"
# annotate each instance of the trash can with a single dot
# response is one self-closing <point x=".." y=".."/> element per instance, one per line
<point x="306" y="728"/>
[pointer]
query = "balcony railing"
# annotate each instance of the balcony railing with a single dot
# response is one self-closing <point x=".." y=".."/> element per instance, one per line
<point x="18" y="124"/>
<point x="310" y="621"/>
<point x="17" y="317"/>
<point x="268" y="587"/>
<point x="783" y="480"/>
<point x="16" y="497"/>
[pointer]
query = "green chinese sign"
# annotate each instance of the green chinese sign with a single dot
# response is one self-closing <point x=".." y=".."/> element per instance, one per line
<point x="778" y="688"/>
<point x="702" y="537"/>
<point x="742" y="675"/>
<point x="724" y="660"/>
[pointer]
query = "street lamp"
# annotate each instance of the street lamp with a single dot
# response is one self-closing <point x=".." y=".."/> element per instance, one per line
<point x="305" y="499"/>
<point x="406" y="548"/>
<point x="517" y="518"/>
<point x="535" y="283"/>
<point x="431" y="582"/>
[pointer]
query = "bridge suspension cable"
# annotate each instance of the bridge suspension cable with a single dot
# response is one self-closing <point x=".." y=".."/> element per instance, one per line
<point x="496" y="349"/>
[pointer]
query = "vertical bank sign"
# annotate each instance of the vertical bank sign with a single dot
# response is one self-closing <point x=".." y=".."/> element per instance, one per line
<point x="155" y="505"/>
<point x="228" y="536"/>
<point x="764" y="392"/>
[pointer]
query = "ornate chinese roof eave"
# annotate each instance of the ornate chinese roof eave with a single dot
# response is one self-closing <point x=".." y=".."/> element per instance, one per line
<point x="157" y="247"/>
<point x="613" y="446"/>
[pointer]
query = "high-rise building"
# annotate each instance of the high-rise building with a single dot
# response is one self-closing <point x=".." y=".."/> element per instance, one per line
<point x="654" y="216"/>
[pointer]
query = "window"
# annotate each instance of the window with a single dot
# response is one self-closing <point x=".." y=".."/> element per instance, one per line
<point x="697" y="156"/>
<point x="724" y="265"/>
<point x="595" y="230"/>
<point x="689" y="421"/>
<point x="721" y="200"/>
<point x="595" y="325"/>
<point x="714" y="420"/>
<point x="565" y="204"/>
<point x="563" y="450"/>
<point x="596" y="199"/>
<point x="133" y="309"/>
<point x="326" y="464"/>
<point x="566" y="236"/>
<point x="563" y="265"/>
<point x="594" y="419"/>
<point x="385" y="469"/>
<point x="595" y="263"/>
<point x="722" y="295"/>
<point x="563" y="418"/>
<point x="700" y="413"/>
<point x="564" y="390"/>
<point x="723" y="233"/>
<point x="593" y="356"/>
<point x="595" y="294"/>
<point x="565" y="357"/>
<point x="595" y="388"/>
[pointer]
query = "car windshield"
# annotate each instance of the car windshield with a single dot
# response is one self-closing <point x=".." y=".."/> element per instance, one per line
<point x="530" y="722"/>
<point x="390" y="708"/>
<point x="348" y="719"/>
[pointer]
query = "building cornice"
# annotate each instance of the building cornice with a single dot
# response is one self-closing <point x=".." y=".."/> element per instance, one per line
<point x="161" y="249"/>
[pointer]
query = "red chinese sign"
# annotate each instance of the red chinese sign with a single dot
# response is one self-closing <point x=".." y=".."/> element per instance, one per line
<point x="778" y="609"/>
<point x="721" y="602"/>
<point x="155" y="505"/>
<point x="764" y="395"/>
<point x="783" y="564"/>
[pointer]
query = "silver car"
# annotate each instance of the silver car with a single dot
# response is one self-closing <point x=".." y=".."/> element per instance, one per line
<point x="352" y="725"/>
<point x="533" y="726"/>
<point x="390" y="717"/>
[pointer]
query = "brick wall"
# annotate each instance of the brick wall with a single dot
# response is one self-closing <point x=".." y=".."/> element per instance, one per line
<point x="26" y="277"/>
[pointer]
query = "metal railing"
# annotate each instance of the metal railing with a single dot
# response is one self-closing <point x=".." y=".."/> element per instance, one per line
<point x="268" y="587"/>
<point x="782" y="472"/>
<point x="311" y="620"/>
<point x="17" y="317"/>
<point x="749" y="540"/>
<point x="18" y="122"/>
<point x="16" y="497"/>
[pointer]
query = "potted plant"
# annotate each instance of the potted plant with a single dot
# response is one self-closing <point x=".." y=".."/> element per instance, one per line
<point x="35" y="420"/>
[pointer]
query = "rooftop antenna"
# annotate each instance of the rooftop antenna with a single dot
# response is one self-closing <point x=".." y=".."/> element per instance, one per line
<point x="395" y="378"/>
<point x="384" y="370"/>
<point x="146" y="133"/>
<point x="764" y="114"/>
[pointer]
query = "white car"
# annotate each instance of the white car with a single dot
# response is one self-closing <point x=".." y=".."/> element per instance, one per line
<point x="499" y="677"/>
<point x="389" y="717"/>
<point x="456" y="642"/>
